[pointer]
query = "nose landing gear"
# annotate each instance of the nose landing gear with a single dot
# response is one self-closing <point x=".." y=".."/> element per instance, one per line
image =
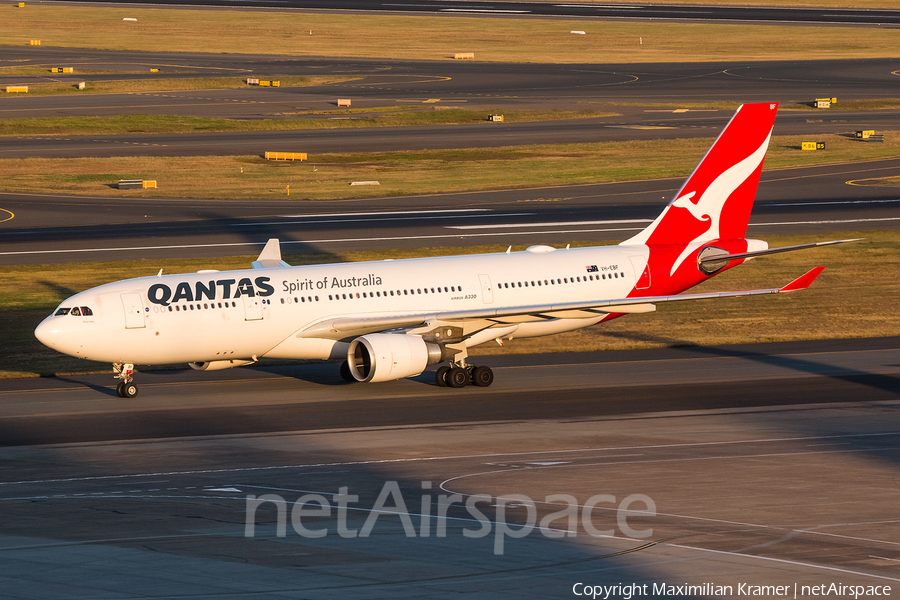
<point x="126" y="388"/>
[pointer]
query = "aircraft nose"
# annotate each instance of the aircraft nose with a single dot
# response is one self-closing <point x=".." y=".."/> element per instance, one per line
<point x="47" y="333"/>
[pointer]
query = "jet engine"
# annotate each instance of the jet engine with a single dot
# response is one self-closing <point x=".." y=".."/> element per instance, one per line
<point x="218" y="365"/>
<point x="388" y="356"/>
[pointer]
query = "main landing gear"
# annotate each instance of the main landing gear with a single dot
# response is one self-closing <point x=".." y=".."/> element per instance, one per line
<point x="459" y="376"/>
<point x="126" y="388"/>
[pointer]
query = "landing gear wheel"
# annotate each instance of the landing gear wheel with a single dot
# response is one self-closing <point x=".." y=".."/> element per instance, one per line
<point x="482" y="376"/>
<point x="440" y="376"/>
<point x="129" y="390"/>
<point x="457" y="377"/>
<point x="346" y="375"/>
<point x="119" y="387"/>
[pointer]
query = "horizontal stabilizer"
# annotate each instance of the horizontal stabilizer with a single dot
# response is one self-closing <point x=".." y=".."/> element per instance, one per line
<point x="804" y="281"/>
<point x="752" y="253"/>
<point x="270" y="257"/>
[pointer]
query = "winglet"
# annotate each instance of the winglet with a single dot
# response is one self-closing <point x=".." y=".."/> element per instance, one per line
<point x="804" y="281"/>
<point x="270" y="257"/>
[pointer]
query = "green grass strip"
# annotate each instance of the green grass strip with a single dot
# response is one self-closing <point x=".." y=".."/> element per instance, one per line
<point x="328" y="176"/>
<point x="401" y="116"/>
<point x="437" y="38"/>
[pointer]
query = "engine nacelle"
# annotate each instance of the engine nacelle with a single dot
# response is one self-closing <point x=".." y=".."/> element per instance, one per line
<point x="389" y="356"/>
<point x="218" y="365"/>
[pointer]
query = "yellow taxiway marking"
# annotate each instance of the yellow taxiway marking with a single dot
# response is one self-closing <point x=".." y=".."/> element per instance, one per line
<point x="857" y="182"/>
<point x="9" y="218"/>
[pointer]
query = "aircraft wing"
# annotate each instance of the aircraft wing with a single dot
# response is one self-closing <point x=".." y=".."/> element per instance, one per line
<point x="346" y="327"/>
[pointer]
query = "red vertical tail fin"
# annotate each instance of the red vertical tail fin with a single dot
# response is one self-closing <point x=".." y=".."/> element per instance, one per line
<point x="716" y="200"/>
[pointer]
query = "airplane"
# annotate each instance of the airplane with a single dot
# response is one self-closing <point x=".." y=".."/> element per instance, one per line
<point x="388" y="320"/>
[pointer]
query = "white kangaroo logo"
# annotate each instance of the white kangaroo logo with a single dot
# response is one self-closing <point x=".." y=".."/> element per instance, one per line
<point x="710" y="204"/>
<point x="695" y="209"/>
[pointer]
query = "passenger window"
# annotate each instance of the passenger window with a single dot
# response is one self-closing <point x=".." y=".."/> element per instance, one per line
<point x="282" y="300"/>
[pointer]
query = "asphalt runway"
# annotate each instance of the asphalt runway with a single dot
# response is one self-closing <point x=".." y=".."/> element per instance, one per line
<point x="754" y="465"/>
<point x="54" y="229"/>
<point x="389" y="139"/>
<point x="480" y="85"/>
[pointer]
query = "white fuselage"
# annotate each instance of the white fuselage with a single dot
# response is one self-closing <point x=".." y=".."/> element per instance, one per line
<point x="279" y="312"/>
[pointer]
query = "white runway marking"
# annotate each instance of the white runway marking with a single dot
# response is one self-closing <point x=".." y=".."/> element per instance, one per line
<point x="321" y="241"/>
<point x="417" y="217"/>
<point x="789" y="562"/>
<point x="391" y="212"/>
<point x="452" y="457"/>
<point x="828" y="222"/>
<point x="830" y="203"/>
<point x="559" y="224"/>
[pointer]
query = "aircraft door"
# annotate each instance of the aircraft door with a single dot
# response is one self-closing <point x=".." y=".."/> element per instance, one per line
<point x="487" y="290"/>
<point x="134" y="311"/>
<point x="641" y="272"/>
<point x="252" y="308"/>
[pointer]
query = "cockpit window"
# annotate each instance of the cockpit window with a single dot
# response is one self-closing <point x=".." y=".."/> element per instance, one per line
<point x="62" y="311"/>
<point x="76" y="312"/>
<point x="86" y="311"/>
